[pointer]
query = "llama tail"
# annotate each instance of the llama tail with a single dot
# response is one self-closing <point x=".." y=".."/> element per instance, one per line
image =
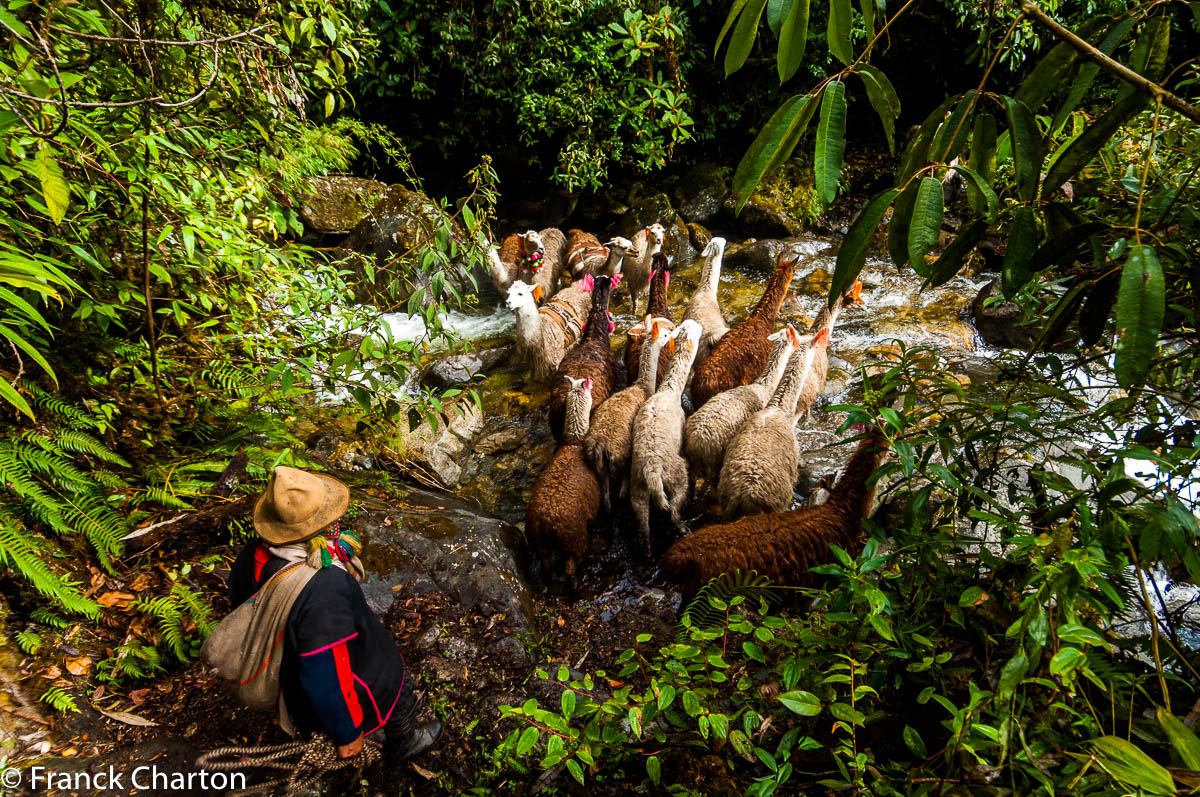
<point x="595" y="451"/>
<point x="654" y="486"/>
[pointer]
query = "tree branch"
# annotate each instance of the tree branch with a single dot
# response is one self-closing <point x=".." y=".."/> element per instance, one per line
<point x="1139" y="82"/>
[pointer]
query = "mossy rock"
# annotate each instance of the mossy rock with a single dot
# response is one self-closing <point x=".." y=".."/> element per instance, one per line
<point x="336" y="204"/>
<point x="701" y="192"/>
<point x="783" y="205"/>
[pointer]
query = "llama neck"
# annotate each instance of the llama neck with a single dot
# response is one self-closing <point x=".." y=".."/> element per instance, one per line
<point x="851" y="491"/>
<point x="658" y="296"/>
<point x="579" y="414"/>
<point x="597" y="320"/>
<point x="615" y="256"/>
<point x="528" y="321"/>
<point x="827" y="317"/>
<point x="499" y="271"/>
<point x="772" y="298"/>
<point x="648" y="366"/>
<point x="787" y="392"/>
<point x="711" y="277"/>
<point x="781" y="354"/>
<point x="677" y="374"/>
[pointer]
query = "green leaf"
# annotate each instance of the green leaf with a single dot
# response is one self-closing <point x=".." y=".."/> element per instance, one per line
<point x="883" y="99"/>
<point x="983" y="147"/>
<point x="831" y="142"/>
<point x="654" y="769"/>
<point x="55" y="191"/>
<point x="914" y="742"/>
<point x="1067" y="660"/>
<point x="838" y="31"/>
<point x="666" y="696"/>
<point x="1080" y="152"/>
<point x="793" y="37"/>
<point x="776" y="13"/>
<point x="734" y="13"/>
<point x="806" y="704"/>
<point x="9" y="394"/>
<point x="1022" y="243"/>
<point x="1065" y="248"/>
<point x="330" y="104"/>
<point x="1026" y="147"/>
<point x="898" y="227"/>
<point x="916" y="152"/>
<point x="773" y="145"/>
<point x="568" y="704"/>
<point x="868" y="11"/>
<point x="852" y="255"/>
<point x="1183" y="739"/>
<point x="1149" y="56"/>
<point x="925" y="225"/>
<point x="950" y="137"/>
<point x="1049" y="75"/>
<point x="329" y="28"/>
<point x="1011" y="675"/>
<point x="28" y="348"/>
<point x="528" y="739"/>
<point x="1087" y="74"/>
<point x="743" y="37"/>
<point x="1097" y="308"/>
<point x="950" y="262"/>
<point x="1132" y="768"/>
<point x="1141" y="304"/>
<point x="575" y="770"/>
<point x="985" y="202"/>
<point x="1062" y="314"/>
<point x="1079" y="635"/>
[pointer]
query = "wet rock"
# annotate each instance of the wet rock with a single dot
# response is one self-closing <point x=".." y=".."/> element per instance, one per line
<point x="755" y="255"/>
<point x="653" y="208"/>
<point x="400" y="224"/>
<point x="440" y="451"/>
<point x="463" y="651"/>
<point x="509" y="652"/>
<point x="337" y="204"/>
<point x="699" y="236"/>
<point x="597" y="212"/>
<point x="997" y="322"/>
<point x="763" y="216"/>
<point x="678" y="244"/>
<point x="430" y="541"/>
<point x="458" y="369"/>
<point x="701" y="192"/>
<point x="338" y="452"/>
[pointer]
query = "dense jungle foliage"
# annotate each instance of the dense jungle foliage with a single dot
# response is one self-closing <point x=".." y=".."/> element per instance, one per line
<point x="163" y="309"/>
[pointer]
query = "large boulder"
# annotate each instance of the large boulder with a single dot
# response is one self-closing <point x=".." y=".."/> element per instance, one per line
<point x="437" y="452"/>
<point x="647" y="209"/>
<point x="390" y="240"/>
<point x="459" y="369"/>
<point x="430" y="541"/>
<point x="998" y="321"/>
<point x="336" y="204"/>
<point x="701" y="192"/>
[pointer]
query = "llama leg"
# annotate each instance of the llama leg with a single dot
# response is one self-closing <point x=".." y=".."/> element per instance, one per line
<point x="641" y="508"/>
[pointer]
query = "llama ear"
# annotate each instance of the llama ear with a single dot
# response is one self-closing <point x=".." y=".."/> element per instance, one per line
<point x="855" y="293"/>
<point x="822" y="338"/>
<point x="774" y="336"/>
<point x="537" y="291"/>
<point x="793" y="336"/>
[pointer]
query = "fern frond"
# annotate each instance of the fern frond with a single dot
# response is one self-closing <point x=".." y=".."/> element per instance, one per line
<point x="60" y="701"/>
<point x="43" y="616"/>
<point x="754" y="587"/>
<point x="29" y="640"/>
<point x="18" y="548"/>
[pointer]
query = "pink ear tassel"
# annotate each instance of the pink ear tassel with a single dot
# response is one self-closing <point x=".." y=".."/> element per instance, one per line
<point x="616" y="280"/>
<point x="587" y="383"/>
<point x="588" y="283"/>
<point x="668" y="279"/>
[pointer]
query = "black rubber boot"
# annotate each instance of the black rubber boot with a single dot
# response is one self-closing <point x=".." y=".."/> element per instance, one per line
<point x="419" y="741"/>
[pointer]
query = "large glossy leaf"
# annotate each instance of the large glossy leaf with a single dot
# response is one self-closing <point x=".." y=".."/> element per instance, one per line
<point x="744" y="33"/>
<point x="868" y="11"/>
<point x="1087" y="73"/>
<point x="1050" y="74"/>
<point x="1149" y="56"/>
<point x="950" y="137"/>
<point x="1066" y="247"/>
<point x="916" y="152"/>
<point x="777" y="11"/>
<point x="951" y="260"/>
<point x="925" y="225"/>
<point x="1097" y="307"/>
<point x="883" y="99"/>
<point x="1022" y="243"/>
<point x="792" y="39"/>
<point x="773" y="144"/>
<point x="838" y="31"/>
<point x="55" y="191"/>
<point x="1132" y="768"/>
<point x="738" y="7"/>
<point x="1141" y="304"/>
<point x="27" y="347"/>
<point x="982" y="198"/>
<point x="1082" y="150"/>
<point x="1062" y="314"/>
<point x="1183" y="739"/>
<point x="898" y="227"/>
<point x="9" y="394"/>
<point x="831" y="142"/>
<point x="853" y="253"/>
<point x="1026" y="147"/>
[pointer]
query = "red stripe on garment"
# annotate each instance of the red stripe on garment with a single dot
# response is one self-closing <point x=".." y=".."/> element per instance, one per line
<point x="383" y="718"/>
<point x="267" y="660"/>
<point x="261" y="557"/>
<point x="330" y="645"/>
<point x="341" y="658"/>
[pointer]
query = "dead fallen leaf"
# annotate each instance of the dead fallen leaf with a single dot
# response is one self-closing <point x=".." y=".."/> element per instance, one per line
<point x="126" y="717"/>
<point x="99" y="693"/>
<point x="118" y="600"/>
<point x="80" y="665"/>
<point x="138" y="696"/>
<point x="51" y="673"/>
<point x="144" y="581"/>
<point x="422" y="771"/>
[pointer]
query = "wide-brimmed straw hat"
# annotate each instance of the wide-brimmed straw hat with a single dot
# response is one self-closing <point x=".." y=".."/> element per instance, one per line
<point x="297" y="504"/>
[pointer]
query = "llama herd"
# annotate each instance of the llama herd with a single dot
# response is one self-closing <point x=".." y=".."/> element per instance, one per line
<point x="623" y="432"/>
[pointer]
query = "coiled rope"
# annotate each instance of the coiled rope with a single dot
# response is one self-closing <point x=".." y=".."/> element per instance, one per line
<point x="304" y="761"/>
